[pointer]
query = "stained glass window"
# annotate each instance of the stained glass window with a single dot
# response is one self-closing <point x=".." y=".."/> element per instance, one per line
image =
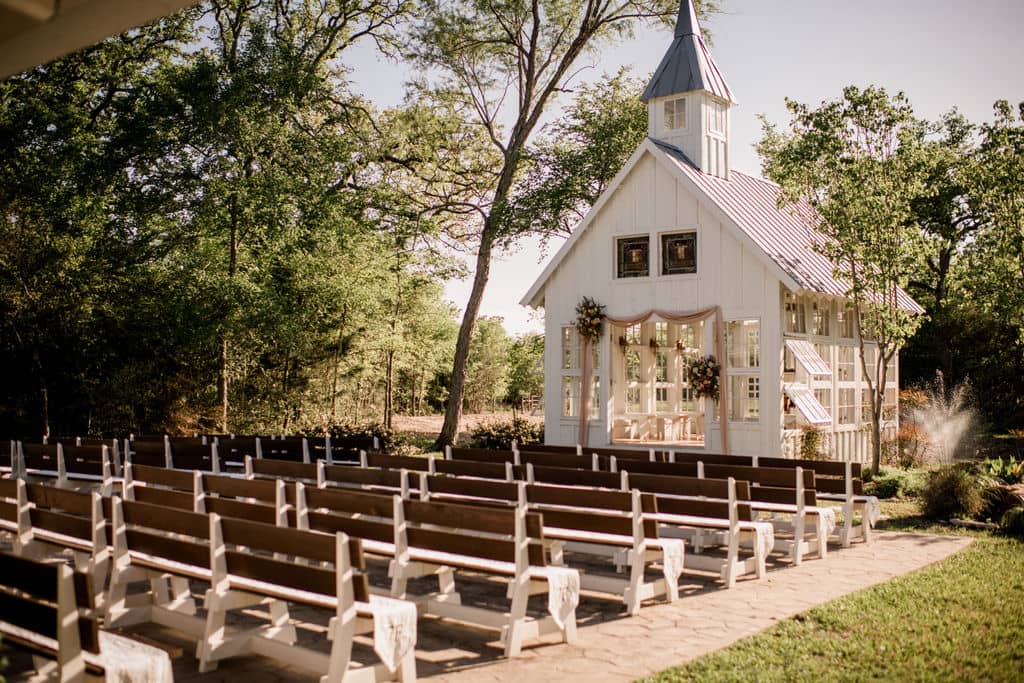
<point x="634" y="257"/>
<point x="679" y="253"/>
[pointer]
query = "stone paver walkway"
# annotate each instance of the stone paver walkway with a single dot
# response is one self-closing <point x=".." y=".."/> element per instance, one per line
<point x="614" y="647"/>
<point x="664" y="635"/>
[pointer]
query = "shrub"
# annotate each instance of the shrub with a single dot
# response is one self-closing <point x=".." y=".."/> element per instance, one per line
<point x="810" y="444"/>
<point x="499" y="435"/>
<point x="1012" y="521"/>
<point x="1008" y="471"/>
<point x="363" y="431"/>
<point x="894" y="483"/>
<point x="953" y="491"/>
<point x="908" y="449"/>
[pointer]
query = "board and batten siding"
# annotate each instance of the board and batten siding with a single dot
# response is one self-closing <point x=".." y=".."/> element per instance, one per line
<point x="650" y="201"/>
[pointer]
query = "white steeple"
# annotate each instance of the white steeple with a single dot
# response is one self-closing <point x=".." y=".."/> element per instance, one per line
<point x="688" y="100"/>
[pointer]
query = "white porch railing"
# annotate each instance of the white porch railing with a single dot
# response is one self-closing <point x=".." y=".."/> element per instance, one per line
<point x="852" y="444"/>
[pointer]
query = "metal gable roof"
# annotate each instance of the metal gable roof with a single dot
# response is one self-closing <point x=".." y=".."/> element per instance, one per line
<point x="752" y="204"/>
<point x="687" y="65"/>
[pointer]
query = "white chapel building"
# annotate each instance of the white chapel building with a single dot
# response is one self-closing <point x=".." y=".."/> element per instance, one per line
<point x="678" y="232"/>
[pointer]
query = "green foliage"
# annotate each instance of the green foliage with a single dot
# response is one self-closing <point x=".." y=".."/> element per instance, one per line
<point x="502" y="65"/>
<point x="499" y="435"/>
<point x="810" y="444"/>
<point x="852" y="169"/>
<point x="953" y="491"/>
<point x="579" y="154"/>
<point x="366" y="430"/>
<point x="487" y="372"/>
<point x="1008" y="471"/>
<point x="526" y="369"/>
<point x="1012" y="521"/>
<point x="895" y="483"/>
<point x="955" y="620"/>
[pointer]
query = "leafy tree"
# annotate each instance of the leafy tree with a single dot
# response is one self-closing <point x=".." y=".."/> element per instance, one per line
<point x="502" y="64"/>
<point x="579" y="155"/>
<point x="525" y="369"/>
<point x="854" y="162"/>
<point x="997" y="195"/>
<point x="487" y="372"/>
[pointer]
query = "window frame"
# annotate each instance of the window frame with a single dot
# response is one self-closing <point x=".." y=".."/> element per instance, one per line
<point x="664" y="269"/>
<point x="620" y="242"/>
<point x="669" y="120"/>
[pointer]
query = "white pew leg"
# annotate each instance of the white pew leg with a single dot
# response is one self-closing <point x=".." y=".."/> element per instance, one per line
<point x="342" y="630"/>
<point x="512" y="634"/>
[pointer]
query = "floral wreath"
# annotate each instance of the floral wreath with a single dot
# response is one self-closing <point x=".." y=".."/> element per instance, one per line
<point x="703" y="375"/>
<point x="589" y="319"/>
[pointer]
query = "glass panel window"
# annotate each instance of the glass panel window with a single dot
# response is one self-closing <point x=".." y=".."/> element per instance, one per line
<point x="675" y="113"/>
<point x="844" y="322"/>
<point x="688" y="336"/>
<point x="679" y="253"/>
<point x="661" y="367"/>
<point x="868" y="368"/>
<point x="846" y="406"/>
<point x="568" y="357"/>
<point x="820" y="319"/>
<point x="661" y="334"/>
<point x="716" y="118"/>
<point x="743" y="343"/>
<point x="633" y="334"/>
<point x="633" y="366"/>
<point x="570" y="397"/>
<point x="825" y="351"/>
<point x="744" y="397"/>
<point x="890" y="372"/>
<point x="865" y="406"/>
<point x="633" y="404"/>
<point x="824" y="397"/>
<point x="796" y="321"/>
<point x="633" y="256"/>
<point x="788" y="360"/>
<point x="844" y="363"/>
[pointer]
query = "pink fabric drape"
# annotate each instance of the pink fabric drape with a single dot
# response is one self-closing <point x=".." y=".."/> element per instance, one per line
<point x="672" y="317"/>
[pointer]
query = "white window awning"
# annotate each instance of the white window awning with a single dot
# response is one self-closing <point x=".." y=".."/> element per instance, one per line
<point x="805" y="354"/>
<point x="807" y="403"/>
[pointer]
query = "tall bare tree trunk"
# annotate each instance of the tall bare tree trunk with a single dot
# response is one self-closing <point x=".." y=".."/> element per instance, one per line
<point x="224" y="352"/>
<point x="453" y="412"/>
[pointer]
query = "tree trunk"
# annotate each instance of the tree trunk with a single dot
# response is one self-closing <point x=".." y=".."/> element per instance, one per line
<point x="45" y="395"/>
<point x="389" y="386"/>
<point x="232" y="266"/>
<point x="453" y="412"/>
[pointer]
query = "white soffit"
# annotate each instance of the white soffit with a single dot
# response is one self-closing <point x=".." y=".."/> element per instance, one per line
<point x="805" y="354"/>
<point x="807" y="403"/>
<point x="33" y="32"/>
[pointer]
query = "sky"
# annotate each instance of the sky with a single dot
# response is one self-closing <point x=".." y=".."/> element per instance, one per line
<point x="942" y="53"/>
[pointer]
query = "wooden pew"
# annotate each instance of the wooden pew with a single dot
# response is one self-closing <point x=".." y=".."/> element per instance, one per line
<point x="709" y="505"/>
<point x="245" y="573"/>
<point x="788" y="495"/>
<point x="186" y="454"/>
<point x="835" y="480"/>
<point x="440" y="538"/>
<point x="152" y="451"/>
<point x="605" y="523"/>
<point x="283" y="469"/>
<point x="39" y="605"/>
<point x="290" y="449"/>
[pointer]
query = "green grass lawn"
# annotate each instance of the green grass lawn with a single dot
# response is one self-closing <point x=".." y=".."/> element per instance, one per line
<point x="959" y="620"/>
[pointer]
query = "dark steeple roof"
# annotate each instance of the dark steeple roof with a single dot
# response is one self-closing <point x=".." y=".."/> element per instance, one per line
<point x="687" y="66"/>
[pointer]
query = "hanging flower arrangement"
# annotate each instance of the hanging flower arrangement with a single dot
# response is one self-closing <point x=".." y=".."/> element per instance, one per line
<point x="704" y="375"/>
<point x="589" y="319"/>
